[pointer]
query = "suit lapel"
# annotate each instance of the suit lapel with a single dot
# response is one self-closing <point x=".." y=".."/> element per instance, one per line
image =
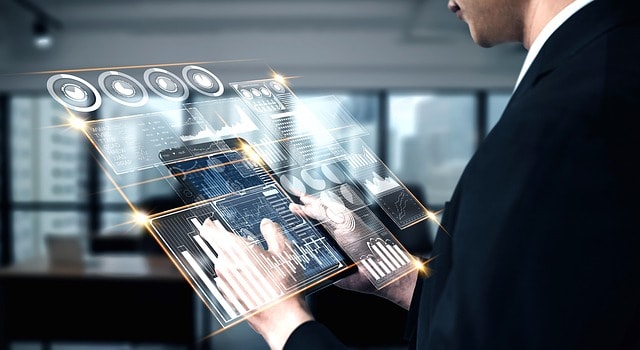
<point x="583" y="27"/>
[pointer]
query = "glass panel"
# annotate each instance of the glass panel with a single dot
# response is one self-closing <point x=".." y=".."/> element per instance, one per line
<point x="431" y="139"/>
<point x="363" y="107"/>
<point x="119" y="223"/>
<point x="496" y="102"/>
<point x="31" y="227"/>
<point x="140" y="184"/>
<point x="49" y="159"/>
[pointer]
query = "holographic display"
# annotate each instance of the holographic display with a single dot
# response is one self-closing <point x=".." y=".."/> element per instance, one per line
<point x="384" y="187"/>
<point x="133" y="142"/>
<point x="234" y="187"/>
<point x="363" y="236"/>
<point x="237" y="150"/>
<point x="292" y="125"/>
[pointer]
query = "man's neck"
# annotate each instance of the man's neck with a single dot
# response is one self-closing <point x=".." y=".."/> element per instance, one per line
<point x="537" y="14"/>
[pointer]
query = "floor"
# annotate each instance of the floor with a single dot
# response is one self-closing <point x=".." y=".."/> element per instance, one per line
<point x="63" y="346"/>
<point x="240" y="336"/>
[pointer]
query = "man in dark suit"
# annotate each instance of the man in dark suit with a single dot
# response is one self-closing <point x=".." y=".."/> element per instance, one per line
<point x="542" y="247"/>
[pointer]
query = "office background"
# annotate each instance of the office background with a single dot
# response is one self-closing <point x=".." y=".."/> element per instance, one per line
<point x="407" y="70"/>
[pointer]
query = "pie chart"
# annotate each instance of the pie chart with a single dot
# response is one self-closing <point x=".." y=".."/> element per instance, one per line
<point x="312" y="178"/>
<point x="292" y="184"/>
<point x="333" y="173"/>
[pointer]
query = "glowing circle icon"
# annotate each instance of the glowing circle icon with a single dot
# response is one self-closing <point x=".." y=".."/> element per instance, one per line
<point x="203" y="81"/>
<point x="277" y="87"/>
<point x="246" y="94"/>
<point x="74" y="93"/>
<point x="265" y="91"/>
<point x="166" y="84"/>
<point x="123" y="88"/>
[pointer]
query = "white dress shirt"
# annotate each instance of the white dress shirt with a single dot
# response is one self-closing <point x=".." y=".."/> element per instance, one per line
<point x="546" y="32"/>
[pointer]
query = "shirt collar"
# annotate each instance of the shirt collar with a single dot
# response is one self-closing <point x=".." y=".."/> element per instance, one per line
<point x="546" y="32"/>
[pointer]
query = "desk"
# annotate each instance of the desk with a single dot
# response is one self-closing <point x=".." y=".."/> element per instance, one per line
<point x="110" y="298"/>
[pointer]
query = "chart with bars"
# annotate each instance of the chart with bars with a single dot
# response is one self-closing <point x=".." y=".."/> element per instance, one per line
<point x="363" y="236"/>
<point x="385" y="258"/>
<point x="236" y="190"/>
<point x="307" y="261"/>
<point x="383" y="186"/>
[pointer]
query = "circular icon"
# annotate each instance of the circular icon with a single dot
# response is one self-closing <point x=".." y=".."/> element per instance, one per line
<point x="333" y="173"/>
<point x="256" y="92"/>
<point x="203" y="81"/>
<point x="277" y="87"/>
<point x="166" y="84"/>
<point x="246" y="94"/>
<point x="123" y="89"/>
<point x="292" y="184"/>
<point x="74" y="93"/>
<point x="265" y="91"/>
<point x="311" y="177"/>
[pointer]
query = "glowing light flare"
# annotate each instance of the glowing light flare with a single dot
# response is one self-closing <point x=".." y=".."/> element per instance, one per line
<point x="433" y="216"/>
<point x="279" y="78"/>
<point x="77" y="123"/>
<point x="423" y="266"/>
<point x="140" y="218"/>
<point x="251" y="154"/>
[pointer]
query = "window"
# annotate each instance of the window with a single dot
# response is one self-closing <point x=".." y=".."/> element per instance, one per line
<point x="48" y="175"/>
<point x="496" y="102"/>
<point x="431" y="139"/>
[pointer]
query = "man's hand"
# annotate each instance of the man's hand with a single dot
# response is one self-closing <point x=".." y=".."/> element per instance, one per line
<point x="278" y="317"/>
<point x="339" y="221"/>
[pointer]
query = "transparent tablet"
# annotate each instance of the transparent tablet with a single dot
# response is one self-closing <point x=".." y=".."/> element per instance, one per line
<point x="231" y="183"/>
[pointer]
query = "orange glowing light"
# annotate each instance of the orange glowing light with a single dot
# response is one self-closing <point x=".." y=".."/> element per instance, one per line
<point x="140" y="218"/>
<point x="279" y="78"/>
<point x="251" y="154"/>
<point x="77" y="123"/>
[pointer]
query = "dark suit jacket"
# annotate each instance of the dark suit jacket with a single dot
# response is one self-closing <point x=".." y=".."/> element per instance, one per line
<point x="542" y="249"/>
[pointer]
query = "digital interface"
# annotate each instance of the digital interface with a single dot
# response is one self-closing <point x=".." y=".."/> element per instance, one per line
<point x="384" y="187"/>
<point x="234" y="188"/>
<point x="295" y="127"/>
<point x="132" y="143"/>
<point x="238" y="150"/>
<point x="364" y="237"/>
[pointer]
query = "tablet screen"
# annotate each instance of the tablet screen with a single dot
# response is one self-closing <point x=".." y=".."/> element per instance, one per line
<point x="234" y="186"/>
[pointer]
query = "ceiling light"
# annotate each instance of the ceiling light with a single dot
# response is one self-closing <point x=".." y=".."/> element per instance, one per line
<point x="42" y="38"/>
